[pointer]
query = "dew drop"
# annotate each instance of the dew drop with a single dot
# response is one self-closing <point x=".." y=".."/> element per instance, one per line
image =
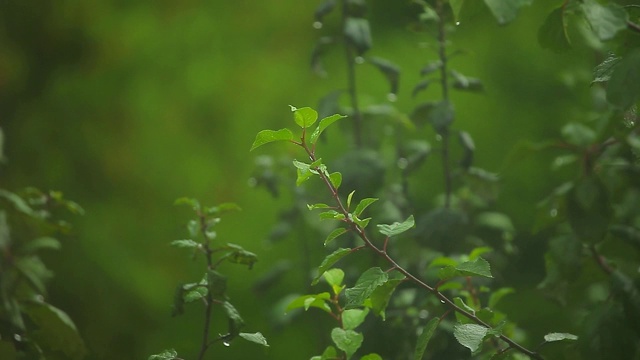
<point x="317" y="25"/>
<point x="226" y="343"/>
<point x="359" y="60"/>
<point x="457" y="23"/>
<point x="39" y="298"/>
<point x="392" y="97"/>
<point x="17" y="337"/>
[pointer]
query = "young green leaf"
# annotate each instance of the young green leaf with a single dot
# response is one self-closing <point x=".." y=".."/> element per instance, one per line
<point x="322" y="125"/>
<point x="308" y="301"/>
<point x="305" y="116"/>
<point x="329" y="261"/>
<point x="364" y="287"/>
<point x="425" y="336"/>
<point x="194" y="203"/>
<point x="623" y="89"/>
<point x="470" y="335"/>
<point x="352" y="318"/>
<point x="390" y="70"/>
<point x="334" y="234"/>
<point x="348" y="341"/>
<point x="397" y="228"/>
<point x="336" y="179"/>
<point x="372" y="356"/>
<point x="267" y="136"/>
<point x="334" y="278"/>
<point x="363" y="204"/>
<point x="602" y="72"/>
<point x="498" y="294"/>
<point x="187" y="243"/>
<point x="257" y="338"/>
<point x="317" y="206"/>
<point x="349" y="197"/>
<point x="40" y="243"/>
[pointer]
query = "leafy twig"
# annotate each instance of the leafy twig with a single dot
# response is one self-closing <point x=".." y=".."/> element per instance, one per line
<point x="442" y="53"/>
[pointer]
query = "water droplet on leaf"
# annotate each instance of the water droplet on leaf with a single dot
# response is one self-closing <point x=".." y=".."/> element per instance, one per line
<point x="17" y="337"/>
<point x="225" y="343"/>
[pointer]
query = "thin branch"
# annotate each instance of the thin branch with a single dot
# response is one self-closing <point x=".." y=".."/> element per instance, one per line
<point x="633" y="26"/>
<point x="444" y="84"/>
<point x="209" y="305"/>
<point x="351" y="81"/>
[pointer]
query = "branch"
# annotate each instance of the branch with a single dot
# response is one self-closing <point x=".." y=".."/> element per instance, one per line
<point x="351" y="82"/>
<point x="633" y="26"/>
<point x="444" y="84"/>
<point x="209" y="305"/>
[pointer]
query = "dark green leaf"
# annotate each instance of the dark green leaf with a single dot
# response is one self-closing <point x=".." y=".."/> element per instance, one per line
<point x="216" y="283"/>
<point x="424" y="337"/>
<point x="305" y="116"/>
<point x="578" y="134"/>
<point x="441" y="116"/>
<point x="235" y="320"/>
<point x="422" y="85"/>
<point x="178" y="301"/>
<point x="628" y="234"/>
<point x="267" y="136"/>
<point x="390" y="70"/>
<point x="397" y="228"/>
<point x="169" y="354"/>
<point x="195" y="291"/>
<point x="324" y="123"/>
<point x="382" y="294"/>
<point x="323" y="9"/>
<point x="329" y="353"/>
<point x="352" y="318"/>
<point x="431" y="67"/>
<point x="257" y="338"/>
<point x="55" y="330"/>
<point x="364" y="287"/>
<point x="334" y="234"/>
<point x="623" y="89"/>
<point x="506" y="11"/>
<point x="605" y="21"/>
<point x="470" y="335"/>
<point x="329" y="261"/>
<point x="588" y="209"/>
<point x="603" y="71"/>
<point x="552" y="34"/>
<point x="39" y="244"/>
<point x="357" y="31"/>
<point x="498" y="294"/>
<point x="348" y="341"/>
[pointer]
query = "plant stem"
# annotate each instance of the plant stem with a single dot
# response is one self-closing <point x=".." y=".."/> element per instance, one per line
<point x="209" y="305"/>
<point x="351" y="81"/>
<point x="444" y="82"/>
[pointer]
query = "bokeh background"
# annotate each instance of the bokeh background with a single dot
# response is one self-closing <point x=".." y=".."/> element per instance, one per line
<point x="125" y="106"/>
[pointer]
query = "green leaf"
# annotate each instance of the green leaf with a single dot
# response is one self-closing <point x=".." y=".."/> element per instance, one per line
<point x="349" y="199"/>
<point x="243" y="257"/>
<point x="478" y="267"/>
<point x="360" y="222"/>
<point x="372" y="356"/>
<point x="257" y="338"/>
<point x="470" y="335"/>
<point x="552" y="34"/>
<point x="187" y="243"/>
<point x="195" y="291"/>
<point x="357" y="31"/>
<point x="498" y="294"/>
<point x="18" y="203"/>
<point x="267" y="136"/>
<point x="397" y="228"/>
<point x="352" y="318"/>
<point x="329" y="261"/>
<point x="456" y="7"/>
<point x="169" y="354"/>
<point x="506" y="11"/>
<point x="305" y="116"/>
<point x="605" y="21"/>
<point x="461" y="304"/>
<point x="55" y="330"/>
<point x="578" y="134"/>
<point x="382" y="294"/>
<point x="39" y="244"/>
<point x="194" y="203"/>
<point x="551" y="337"/>
<point x="623" y="89"/>
<point x="331" y="215"/>
<point x="324" y="123"/>
<point x="424" y="337"/>
<point x="363" y="204"/>
<point x="308" y="301"/>
<point x="216" y="283"/>
<point x="440" y="116"/>
<point x="476" y="252"/>
<point x="603" y="71"/>
<point x="329" y="353"/>
<point x="348" y="341"/>
<point x="461" y="82"/>
<point x="390" y="70"/>
<point x="334" y="278"/>
<point x="336" y="179"/>
<point x="334" y="234"/>
<point x="364" y="287"/>
<point x="588" y="209"/>
<point x="317" y="206"/>
<point x="235" y="320"/>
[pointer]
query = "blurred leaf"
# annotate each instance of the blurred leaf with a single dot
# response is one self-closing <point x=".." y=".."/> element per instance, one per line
<point x="390" y="70"/>
<point x="348" y="341"/>
<point x="551" y="337"/>
<point x="371" y="356"/>
<point x="440" y="116"/>
<point x="382" y="294"/>
<point x="397" y="228"/>
<point x="495" y="220"/>
<point x="602" y="72"/>
<point x="329" y="261"/>
<point x="578" y="134"/>
<point x="628" y="291"/>
<point x="552" y="34"/>
<point x="329" y="353"/>
<point x="334" y="234"/>
<point x="257" y="338"/>
<point x="304" y="117"/>
<point x="470" y="335"/>
<point x="468" y="147"/>
<point x="316" y="55"/>
<point x="431" y="67"/>
<point x="267" y="136"/>
<point x="364" y="287"/>
<point x="424" y="338"/>
<point x="628" y="234"/>
<point x="235" y="320"/>
<point x="169" y="354"/>
<point x="352" y="318"/>
<point x="478" y="267"/>
<point x="623" y="89"/>
<point x="414" y="153"/>
<point x="243" y="257"/>
<point x="34" y="271"/>
<point x="422" y="85"/>
<point x="5" y="238"/>
<point x="324" y="123"/>
<point x="605" y="21"/>
<point x="55" y="330"/>
<point x="331" y="215"/>
<point x="308" y="301"/>
<point x="588" y="209"/>
<point x="506" y="11"/>
<point x="461" y="82"/>
<point x="194" y="203"/>
<point x="476" y="252"/>
<point x="187" y="243"/>
<point x="498" y="294"/>
<point x="216" y="283"/>
<point x="35" y="245"/>
<point x="178" y="301"/>
<point x="323" y="9"/>
<point x="357" y="31"/>
<point x="456" y="7"/>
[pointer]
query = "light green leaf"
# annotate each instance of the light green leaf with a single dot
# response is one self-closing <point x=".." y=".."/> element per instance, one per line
<point x="382" y="294"/>
<point x="39" y="244"/>
<point x="551" y="337"/>
<point x="267" y="136"/>
<point x="605" y="21"/>
<point x="506" y="11"/>
<point x="243" y="257"/>
<point x="334" y="234"/>
<point x="348" y="341"/>
<point x="372" y="356"/>
<point x="329" y="261"/>
<point x="331" y="214"/>
<point x="397" y="228"/>
<point x="476" y="252"/>
<point x="308" y="301"/>
<point x="305" y="116"/>
<point x="363" y="204"/>
<point x="334" y="278"/>
<point x="187" y="243"/>
<point x="497" y="295"/>
<point x="324" y="123"/>
<point x="336" y="179"/>
<point x="425" y="336"/>
<point x="470" y="335"/>
<point x="623" y="89"/>
<point x="360" y="222"/>
<point x="461" y="304"/>
<point x="349" y="199"/>
<point x="169" y="354"/>
<point x="257" y="338"/>
<point x="364" y="287"/>
<point x="317" y="206"/>
<point x="553" y="34"/>
<point x="589" y="210"/>
<point x="352" y="318"/>
<point x="329" y="353"/>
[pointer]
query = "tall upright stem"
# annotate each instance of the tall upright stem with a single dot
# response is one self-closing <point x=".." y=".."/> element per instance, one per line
<point x="209" y="305"/>
<point x="351" y="81"/>
<point x="442" y="52"/>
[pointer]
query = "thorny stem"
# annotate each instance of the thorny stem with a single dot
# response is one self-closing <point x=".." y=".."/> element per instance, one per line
<point x="351" y="82"/>
<point x="209" y="304"/>
<point x="444" y="82"/>
<point x="383" y="253"/>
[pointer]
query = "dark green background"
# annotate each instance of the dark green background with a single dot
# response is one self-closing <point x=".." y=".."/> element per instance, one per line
<point x="127" y="105"/>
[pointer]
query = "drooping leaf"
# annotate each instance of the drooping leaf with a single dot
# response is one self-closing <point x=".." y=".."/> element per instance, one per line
<point x="461" y="82"/>
<point x="324" y="123"/>
<point x="605" y="20"/>
<point x="602" y="72"/>
<point x="329" y="261"/>
<point x="397" y="228"/>
<point x="352" y="318"/>
<point x="329" y="353"/>
<point x="623" y="88"/>
<point x="456" y="7"/>
<point x="169" y="354"/>
<point x="553" y="34"/>
<point x="470" y="335"/>
<point x="235" y="320"/>
<point x="424" y="338"/>
<point x="243" y="257"/>
<point x="195" y="291"/>
<point x="267" y="136"/>
<point x="364" y="287"/>
<point x="461" y="304"/>
<point x="348" y="341"/>
<point x="382" y="294"/>
<point x="257" y="338"/>
<point x="323" y="9"/>
<point x="390" y="70"/>
<point x="304" y="117"/>
<point x="308" y="301"/>
<point x="578" y="134"/>
<point x="506" y="11"/>
<point x="357" y="31"/>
